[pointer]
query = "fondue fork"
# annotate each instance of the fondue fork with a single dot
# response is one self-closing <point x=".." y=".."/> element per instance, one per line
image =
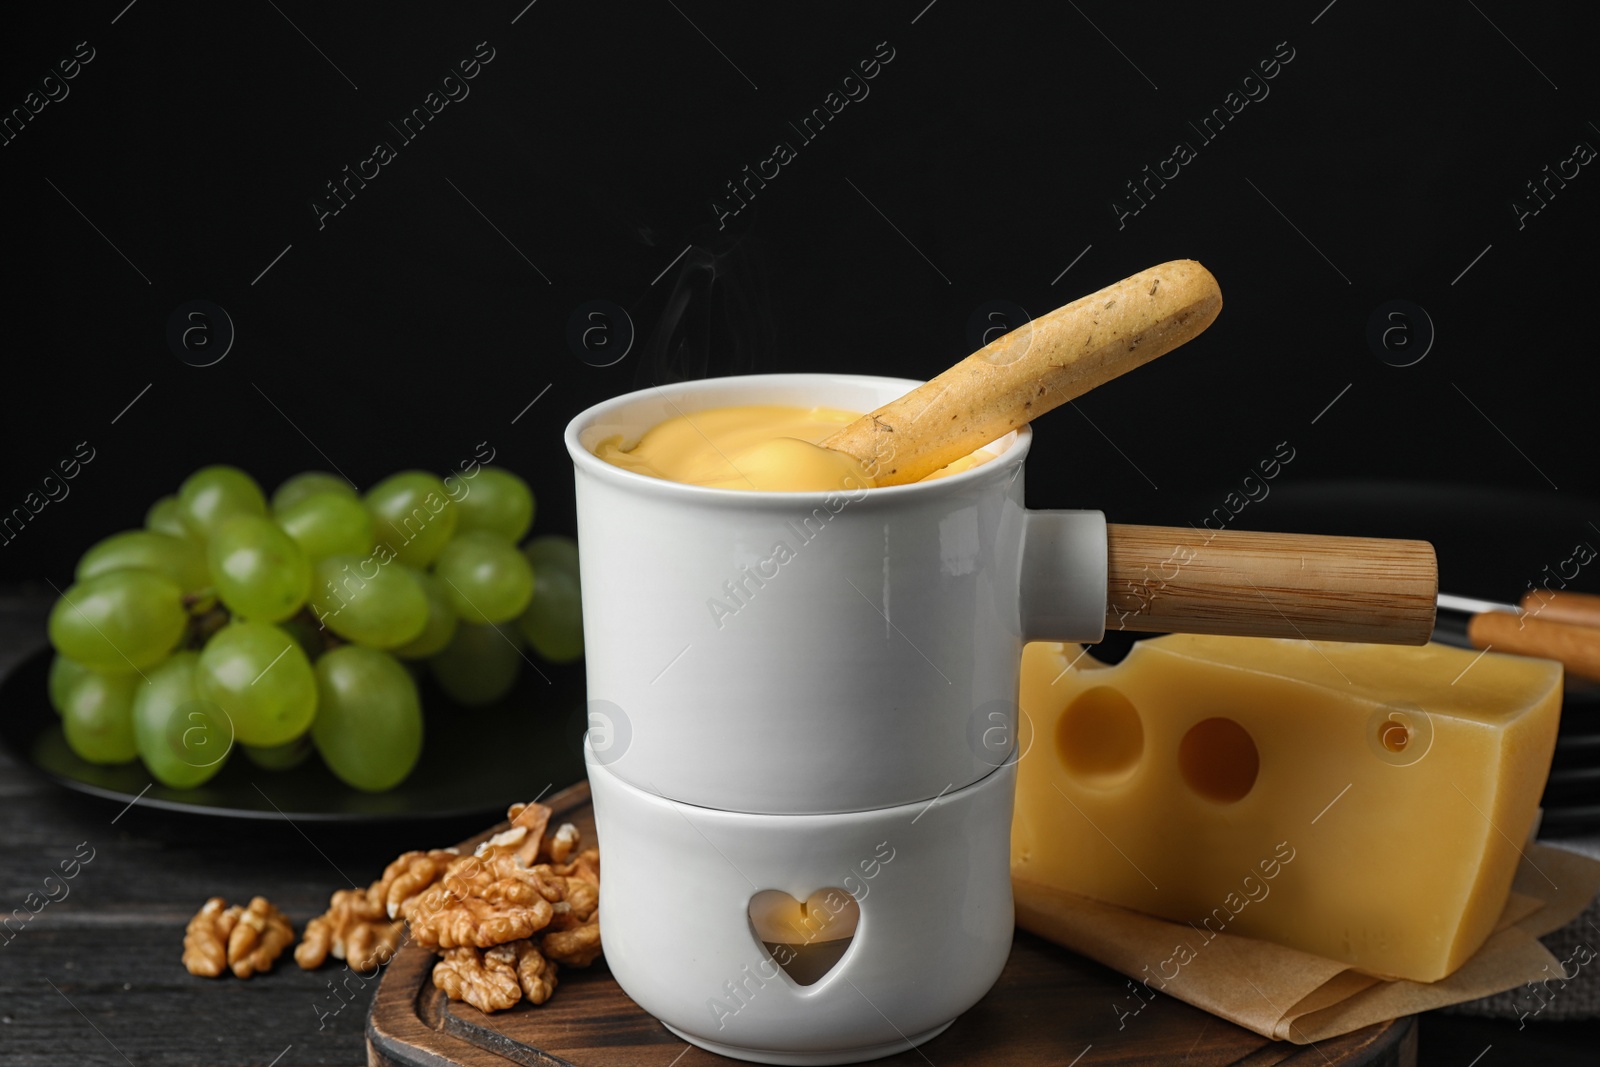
<point x="1553" y="625"/>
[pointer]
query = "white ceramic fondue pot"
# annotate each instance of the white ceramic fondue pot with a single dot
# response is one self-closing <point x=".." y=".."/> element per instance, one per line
<point x="814" y="652"/>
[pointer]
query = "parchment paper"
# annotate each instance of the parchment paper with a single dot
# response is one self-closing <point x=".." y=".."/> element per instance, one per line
<point x="1286" y="994"/>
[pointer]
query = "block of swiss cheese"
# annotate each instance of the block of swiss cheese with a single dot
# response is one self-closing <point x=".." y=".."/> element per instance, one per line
<point x="1362" y="802"/>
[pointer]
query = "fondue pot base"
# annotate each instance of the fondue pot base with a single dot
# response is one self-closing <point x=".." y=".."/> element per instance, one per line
<point x="923" y="891"/>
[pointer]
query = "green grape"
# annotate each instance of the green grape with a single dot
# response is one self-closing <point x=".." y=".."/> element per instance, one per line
<point x="327" y="524"/>
<point x="442" y="620"/>
<point x="284" y="757"/>
<point x="261" y="680"/>
<point x="486" y="579"/>
<point x="178" y="558"/>
<point x="499" y="502"/>
<point x="121" y="621"/>
<point x="97" y="717"/>
<point x="553" y="623"/>
<point x="165" y="517"/>
<point x="183" y="738"/>
<point x="259" y="570"/>
<point x="309" y="484"/>
<point x="369" y="720"/>
<point x="213" y="494"/>
<point x="553" y="549"/>
<point x="413" y="514"/>
<point x="368" y="601"/>
<point x="479" y="666"/>
<point x="64" y="674"/>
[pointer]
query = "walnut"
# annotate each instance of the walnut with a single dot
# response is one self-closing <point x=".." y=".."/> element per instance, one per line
<point x="561" y="844"/>
<point x="258" y="938"/>
<point x="585" y="866"/>
<point x="577" y="947"/>
<point x="409" y="875"/>
<point x="509" y="873"/>
<point x="485" y="900"/>
<point x="535" y="974"/>
<point x="496" y="978"/>
<point x="245" y="940"/>
<point x="356" y="928"/>
<point x="205" y="941"/>
<point x="582" y="900"/>
<point x="527" y="832"/>
<point x="475" y="921"/>
<point x="534" y="816"/>
<point x="532" y="820"/>
<point x="486" y="980"/>
<point x="506" y="839"/>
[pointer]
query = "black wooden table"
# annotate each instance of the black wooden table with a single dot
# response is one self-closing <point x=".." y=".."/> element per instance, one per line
<point x="94" y="978"/>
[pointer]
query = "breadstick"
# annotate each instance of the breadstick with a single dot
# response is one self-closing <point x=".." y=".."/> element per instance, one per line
<point x="1031" y="370"/>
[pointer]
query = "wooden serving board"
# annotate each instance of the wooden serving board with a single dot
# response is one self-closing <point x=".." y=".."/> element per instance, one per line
<point x="1048" y="1007"/>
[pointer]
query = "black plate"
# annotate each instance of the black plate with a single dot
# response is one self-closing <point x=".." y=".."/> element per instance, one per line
<point x="475" y="761"/>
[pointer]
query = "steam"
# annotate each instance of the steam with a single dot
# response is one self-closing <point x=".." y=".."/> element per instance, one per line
<point x="717" y="319"/>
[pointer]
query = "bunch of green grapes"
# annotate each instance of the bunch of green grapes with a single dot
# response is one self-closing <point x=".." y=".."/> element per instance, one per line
<point x="278" y="627"/>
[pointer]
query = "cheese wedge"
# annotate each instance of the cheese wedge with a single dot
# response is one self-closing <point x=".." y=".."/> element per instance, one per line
<point x="1366" y="803"/>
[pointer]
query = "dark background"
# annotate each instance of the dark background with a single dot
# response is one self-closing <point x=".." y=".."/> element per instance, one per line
<point x="985" y="160"/>
<point x="432" y="310"/>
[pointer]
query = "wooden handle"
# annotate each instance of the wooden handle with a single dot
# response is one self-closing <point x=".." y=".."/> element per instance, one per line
<point x="1183" y="580"/>
<point x="1577" y="609"/>
<point x="1032" y="369"/>
<point x="1577" y="647"/>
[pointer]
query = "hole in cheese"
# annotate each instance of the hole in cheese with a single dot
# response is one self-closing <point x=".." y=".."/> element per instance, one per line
<point x="1218" y="759"/>
<point x="1400" y="733"/>
<point x="1100" y="736"/>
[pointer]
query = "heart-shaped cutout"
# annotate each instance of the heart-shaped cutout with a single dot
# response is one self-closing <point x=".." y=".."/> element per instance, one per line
<point x="807" y="938"/>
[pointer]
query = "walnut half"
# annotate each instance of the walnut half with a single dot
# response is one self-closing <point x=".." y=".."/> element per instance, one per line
<point x="485" y="900"/>
<point x="205" y="941"/>
<point x="409" y="875"/>
<point x="258" y="938"/>
<point x="486" y="979"/>
<point x="494" y="979"/>
<point x="244" y="940"/>
<point x="577" y="947"/>
<point x="356" y="928"/>
<point x="535" y="973"/>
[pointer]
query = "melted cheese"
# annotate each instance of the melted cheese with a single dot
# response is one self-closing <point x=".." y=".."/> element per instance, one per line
<point x="773" y="448"/>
